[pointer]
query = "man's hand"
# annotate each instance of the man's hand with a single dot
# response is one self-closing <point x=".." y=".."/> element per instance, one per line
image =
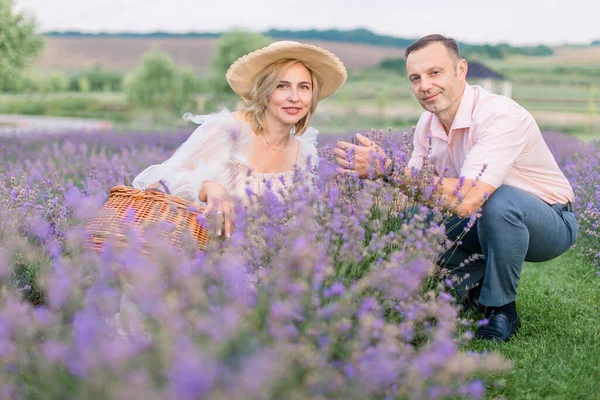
<point x="361" y="160"/>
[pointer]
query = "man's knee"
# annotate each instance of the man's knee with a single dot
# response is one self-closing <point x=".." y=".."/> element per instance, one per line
<point x="501" y="208"/>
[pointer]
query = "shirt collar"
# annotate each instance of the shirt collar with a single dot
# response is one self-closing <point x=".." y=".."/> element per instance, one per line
<point x="462" y="119"/>
<point x="437" y="129"/>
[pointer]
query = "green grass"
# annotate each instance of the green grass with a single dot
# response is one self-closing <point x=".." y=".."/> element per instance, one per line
<point x="556" y="354"/>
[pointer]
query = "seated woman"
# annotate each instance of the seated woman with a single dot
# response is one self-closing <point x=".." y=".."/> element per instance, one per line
<point x="281" y="85"/>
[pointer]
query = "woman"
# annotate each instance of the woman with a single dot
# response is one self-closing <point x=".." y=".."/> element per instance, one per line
<point x="281" y="85"/>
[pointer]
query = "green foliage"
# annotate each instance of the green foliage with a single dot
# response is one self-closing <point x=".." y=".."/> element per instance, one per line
<point x="534" y="51"/>
<point x="25" y="82"/>
<point x="27" y="270"/>
<point x="334" y="35"/>
<point x="367" y="37"/>
<point x="95" y="79"/>
<point x="507" y="49"/>
<point x="361" y="35"/>
<point x="232" y="46"/>
<point x="158" y="83"/>
<point x="152" y="83"/>
<point x="187" y="85"/>
<point x="577" y="71"/>
<point x="83" y="84"/>
<point x="394" y="64"/>
<point x="58" y="81"/>
<point x="61" y="106"/>
<point x="595" y="43"/>
<point x="99" y="80"/>
<point x="19" y="43"/>
<point x="592" y="110"/>
<point x="488" y="51"/>
<point x="36" y="82"/>
<point x="503" y="50"/>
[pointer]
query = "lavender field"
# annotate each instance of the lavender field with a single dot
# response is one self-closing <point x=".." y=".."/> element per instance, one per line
<point x="332" y="293"/>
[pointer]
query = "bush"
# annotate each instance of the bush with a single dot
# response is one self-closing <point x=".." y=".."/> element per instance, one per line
<point x="19" y="43"/>
<point x="157" y="83"/>
<point x="394" y="64"/>
<point x="187" y="86"/>
<point x="39" y="82"/>
<point x="58" y="82"/>
<point x="231" y="46"/>
<point x="579" y="161"/>
<point x="85" y="107"/>
<point x="83" y="84"/>
<point x="98" y="80"/>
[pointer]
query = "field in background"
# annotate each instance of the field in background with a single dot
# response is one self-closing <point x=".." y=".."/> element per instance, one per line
<point x="126" y="53"/>
<point x="561" y="91"/>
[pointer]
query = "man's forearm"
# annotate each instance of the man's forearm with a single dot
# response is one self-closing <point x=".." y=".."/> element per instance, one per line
<point x="455" y="194"/>
<point x="452" y="191"/>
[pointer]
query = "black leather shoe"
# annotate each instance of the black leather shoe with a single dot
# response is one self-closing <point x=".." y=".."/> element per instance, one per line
<point x="499" y="328"/>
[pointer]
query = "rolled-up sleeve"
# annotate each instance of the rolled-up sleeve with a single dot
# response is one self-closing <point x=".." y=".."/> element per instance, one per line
<point x="501" y="138"/>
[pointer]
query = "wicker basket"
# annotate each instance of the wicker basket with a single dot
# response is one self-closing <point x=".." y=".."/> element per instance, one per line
<point x="149" y="207"/>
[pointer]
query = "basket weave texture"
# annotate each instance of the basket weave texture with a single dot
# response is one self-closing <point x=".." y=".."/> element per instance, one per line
<point x="127" y="206"/>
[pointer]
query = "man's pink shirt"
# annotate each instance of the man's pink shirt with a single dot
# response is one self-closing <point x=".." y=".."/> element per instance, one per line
<point x="493" y="131"/>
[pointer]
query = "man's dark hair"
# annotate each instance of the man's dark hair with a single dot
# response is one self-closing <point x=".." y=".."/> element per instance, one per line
<point x="449" y="43"/>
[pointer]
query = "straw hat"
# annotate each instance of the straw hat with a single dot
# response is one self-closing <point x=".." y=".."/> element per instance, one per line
<point x="242" y="73"/>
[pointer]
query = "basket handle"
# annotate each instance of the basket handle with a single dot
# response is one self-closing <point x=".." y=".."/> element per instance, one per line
<point x="156" y="186"/>
<point x="164" y="185"/>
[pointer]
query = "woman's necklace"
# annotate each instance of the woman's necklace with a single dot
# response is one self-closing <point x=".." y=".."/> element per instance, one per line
<point x="273" y="148"/>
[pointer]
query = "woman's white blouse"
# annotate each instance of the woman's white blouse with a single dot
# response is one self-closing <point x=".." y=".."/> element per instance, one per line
<point x="217" y="151"/>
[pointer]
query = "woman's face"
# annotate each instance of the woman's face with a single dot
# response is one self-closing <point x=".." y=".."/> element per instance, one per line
<point x="292" y="98"/>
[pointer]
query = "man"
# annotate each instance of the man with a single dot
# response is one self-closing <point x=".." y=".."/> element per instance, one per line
<point x="493" y="157"/>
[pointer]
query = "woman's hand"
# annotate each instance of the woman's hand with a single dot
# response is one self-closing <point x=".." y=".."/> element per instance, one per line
<point x="219" y="204"/>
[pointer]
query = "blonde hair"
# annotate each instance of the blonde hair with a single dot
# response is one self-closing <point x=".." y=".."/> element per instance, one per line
<point x="265" y="84"/>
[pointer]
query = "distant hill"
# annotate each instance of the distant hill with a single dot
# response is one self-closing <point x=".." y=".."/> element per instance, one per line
<point x="125" y="53"/>
<point x="151" y="35"/>
<point x="355" y="36"/>
<point x="596" y="42"/>
<point x="363" y="36"/>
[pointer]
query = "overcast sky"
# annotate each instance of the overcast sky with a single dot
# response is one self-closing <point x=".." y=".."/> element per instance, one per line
<point x="474" y="21"/>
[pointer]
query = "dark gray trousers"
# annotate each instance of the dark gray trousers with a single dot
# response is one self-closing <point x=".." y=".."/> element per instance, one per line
<point x="515" y="226"/>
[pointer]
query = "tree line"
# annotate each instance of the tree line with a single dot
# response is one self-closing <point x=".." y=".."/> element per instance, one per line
<point x="358" y="36"/>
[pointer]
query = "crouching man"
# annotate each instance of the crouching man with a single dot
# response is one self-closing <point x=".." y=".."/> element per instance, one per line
<point x="494" y="148"/>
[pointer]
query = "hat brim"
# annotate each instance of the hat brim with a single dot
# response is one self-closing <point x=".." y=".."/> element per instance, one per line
<point x="333" y="74"/>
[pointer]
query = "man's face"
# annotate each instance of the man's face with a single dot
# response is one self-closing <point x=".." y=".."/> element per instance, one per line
<point x="437" y="78"/>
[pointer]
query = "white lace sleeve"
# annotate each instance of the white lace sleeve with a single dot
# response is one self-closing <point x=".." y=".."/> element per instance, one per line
<point x="204" y="156"/>
<point x="307" y="156"/>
